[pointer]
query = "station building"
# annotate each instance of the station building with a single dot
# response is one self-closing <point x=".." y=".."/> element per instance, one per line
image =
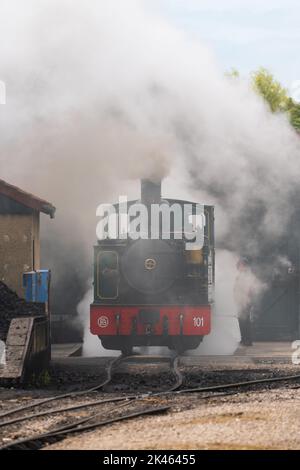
<point x="20" y="234"/>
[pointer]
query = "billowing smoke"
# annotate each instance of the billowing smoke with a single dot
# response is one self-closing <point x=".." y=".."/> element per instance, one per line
<point x="100" y="94"/>
<point x="225" y="333"/>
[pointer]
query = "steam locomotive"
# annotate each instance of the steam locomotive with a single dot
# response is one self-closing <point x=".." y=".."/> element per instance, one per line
<point x="153" y="291"/>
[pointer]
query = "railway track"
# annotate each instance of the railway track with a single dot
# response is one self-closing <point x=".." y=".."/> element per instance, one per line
<point x="173" y="365"/>
<point x="138" y="402"/>
<point x="50" y="437"/>
<point x="81" y="425"/>
<point x="73" y="394"/>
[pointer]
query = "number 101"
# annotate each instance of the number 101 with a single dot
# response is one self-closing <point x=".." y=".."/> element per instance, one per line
<point x="198" y="321"/>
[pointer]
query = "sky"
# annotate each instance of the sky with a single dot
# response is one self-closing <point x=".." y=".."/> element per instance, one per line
<point x="244" y="34"/>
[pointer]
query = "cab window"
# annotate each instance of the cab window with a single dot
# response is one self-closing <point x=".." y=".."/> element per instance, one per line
<point x="108" y="275"/>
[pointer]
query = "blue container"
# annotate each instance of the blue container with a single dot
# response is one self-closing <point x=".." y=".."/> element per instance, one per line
<point x="37" y="286"/>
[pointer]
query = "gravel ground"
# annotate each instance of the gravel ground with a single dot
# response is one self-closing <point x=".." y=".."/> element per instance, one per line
<point x="260" y="420"/>
<point x="257" y="419"/>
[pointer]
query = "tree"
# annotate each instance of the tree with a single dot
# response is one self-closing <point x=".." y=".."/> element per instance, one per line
<point x="276" y="96"/>
<point x="294" y="113"/>
<point x="233" y="73"/>
<point x="273" y="93"/>
<point x="271" y="90"/>
<point x="295" y="116"/>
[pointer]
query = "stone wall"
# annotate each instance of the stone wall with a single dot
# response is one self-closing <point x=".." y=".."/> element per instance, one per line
<point x="19" y="248"/>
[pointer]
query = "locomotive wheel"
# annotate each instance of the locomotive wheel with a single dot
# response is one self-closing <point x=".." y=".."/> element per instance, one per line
<point x="115" y="344"/>
<point x="182" y="344"/>
<point x="127" y="351"/>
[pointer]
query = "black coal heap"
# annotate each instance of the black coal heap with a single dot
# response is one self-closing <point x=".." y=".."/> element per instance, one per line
<point x="11" y="306"/>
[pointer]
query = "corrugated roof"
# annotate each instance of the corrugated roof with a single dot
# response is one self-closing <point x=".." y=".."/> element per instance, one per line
<point x="27" y="199"/>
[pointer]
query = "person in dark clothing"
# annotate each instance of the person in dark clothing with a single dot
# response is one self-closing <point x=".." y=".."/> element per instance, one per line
<point x="245" y="324"/>
<point x="244" y="289"/>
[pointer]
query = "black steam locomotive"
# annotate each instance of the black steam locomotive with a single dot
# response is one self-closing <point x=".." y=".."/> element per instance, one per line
<point x="154" y="292"/>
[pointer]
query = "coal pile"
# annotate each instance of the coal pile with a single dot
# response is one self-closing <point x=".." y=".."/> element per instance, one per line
<point x="11" y="306"/>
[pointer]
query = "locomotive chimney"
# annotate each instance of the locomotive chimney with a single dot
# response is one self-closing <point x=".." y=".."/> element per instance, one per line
<point x="150" y="192"/>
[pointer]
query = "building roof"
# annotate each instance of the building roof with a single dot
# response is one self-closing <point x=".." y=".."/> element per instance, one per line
<point x="27" y="199"/>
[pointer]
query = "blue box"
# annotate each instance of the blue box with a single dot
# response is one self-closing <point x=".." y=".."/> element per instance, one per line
<point x="37" y="286"/>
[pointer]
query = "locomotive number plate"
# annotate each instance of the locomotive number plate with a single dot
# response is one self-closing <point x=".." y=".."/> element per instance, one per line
<point x="198" y="322"/>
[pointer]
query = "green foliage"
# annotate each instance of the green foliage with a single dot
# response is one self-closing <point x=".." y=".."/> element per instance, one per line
<point x="295" y="116"/>
<point x="233" y="73"/>
<point x="275" y="95"/>
<point x="271" y="90"/>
